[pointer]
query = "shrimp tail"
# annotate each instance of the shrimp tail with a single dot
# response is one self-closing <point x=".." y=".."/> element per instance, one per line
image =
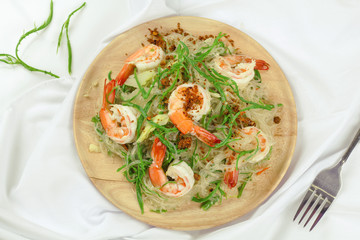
<point x="231" y="178"/>
<point x="261" y="65"/>
<point x="156" y="173"/>
<point x="109" y="93"/>
<point x="124" y="74"/>
<point x="181" y="122"/>
<point x="158" y="152"/>
<point x="205" y="136"/>
<point x="108" y="98"/>
<point x="128" y="68"/>
<point x="185" y="126"/>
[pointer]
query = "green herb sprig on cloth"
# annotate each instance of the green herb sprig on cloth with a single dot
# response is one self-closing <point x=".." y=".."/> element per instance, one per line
<point x="16" y="60"/>
<point x="66" y="26"/>
<point x="13" y="60"/>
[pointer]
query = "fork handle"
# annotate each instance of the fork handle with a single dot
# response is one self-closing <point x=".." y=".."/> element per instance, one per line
<point x="350" y="148"/>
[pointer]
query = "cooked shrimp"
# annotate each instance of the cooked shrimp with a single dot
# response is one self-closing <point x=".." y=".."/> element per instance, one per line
<point x="181" y="173"/>
<point x="239" y="68"/>
<point x="144" y="59"/>
<point x="118" y="121"/>
<point x="262" y="141"/>
<point x="262" y="149"/>
<point x="188" y="103"/>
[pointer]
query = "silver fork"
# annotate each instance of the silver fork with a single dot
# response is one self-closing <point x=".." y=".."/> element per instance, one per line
<point x="324" y="188"/>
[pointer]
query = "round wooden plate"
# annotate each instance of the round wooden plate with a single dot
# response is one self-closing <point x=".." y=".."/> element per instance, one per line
<point x="101" y="168"/>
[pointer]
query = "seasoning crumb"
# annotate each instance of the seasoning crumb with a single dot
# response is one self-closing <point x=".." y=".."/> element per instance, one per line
<point x="196" y="176"/>
<point x="277" y="119"/>
<point x="163" y="63"/>
<point x="184" y="142"/>
<point x="165" y="82"/>
<point x="172" y="48"/>
<point x="156" y="38"/>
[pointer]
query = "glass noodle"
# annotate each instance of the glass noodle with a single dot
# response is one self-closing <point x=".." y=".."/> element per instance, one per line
<point x="190" y="59"/>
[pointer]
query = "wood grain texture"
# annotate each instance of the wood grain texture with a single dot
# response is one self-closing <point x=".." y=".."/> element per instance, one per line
<point x="101" y="168"/>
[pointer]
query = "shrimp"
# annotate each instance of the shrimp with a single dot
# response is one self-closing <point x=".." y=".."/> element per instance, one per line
<point x="239" y="68"/>
<point x="144" y="59"/>
<point x="118" y="121"/>
<point x="188" y="103"/>
<point x="181" y="173"/>
<point x="260" y="140"/>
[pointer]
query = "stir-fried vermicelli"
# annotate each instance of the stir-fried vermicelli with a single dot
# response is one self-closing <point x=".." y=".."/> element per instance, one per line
<point x="191" y="119"/>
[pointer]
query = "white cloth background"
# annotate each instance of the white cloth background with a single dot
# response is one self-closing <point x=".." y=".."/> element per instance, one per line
<point x="44" y="190"/>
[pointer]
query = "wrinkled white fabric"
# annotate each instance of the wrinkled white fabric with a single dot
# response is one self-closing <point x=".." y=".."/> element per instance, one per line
<point x="44" y="190"/>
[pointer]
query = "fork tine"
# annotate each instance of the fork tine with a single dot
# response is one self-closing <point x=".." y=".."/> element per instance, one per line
<point x="304" y="201"/>
<point x="313" y="199"/>
<point x="322" y="212"/>
<point x="320" y="201"/>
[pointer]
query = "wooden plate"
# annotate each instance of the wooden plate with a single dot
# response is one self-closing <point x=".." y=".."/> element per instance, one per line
<point x="101" y="168"/>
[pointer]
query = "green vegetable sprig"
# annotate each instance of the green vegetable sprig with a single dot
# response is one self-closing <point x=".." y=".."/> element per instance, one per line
<point x="214" y="196"/>
<point x="14" y="60"/>
<point x="242" y="186"/>
<point x="66" y="27"/>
